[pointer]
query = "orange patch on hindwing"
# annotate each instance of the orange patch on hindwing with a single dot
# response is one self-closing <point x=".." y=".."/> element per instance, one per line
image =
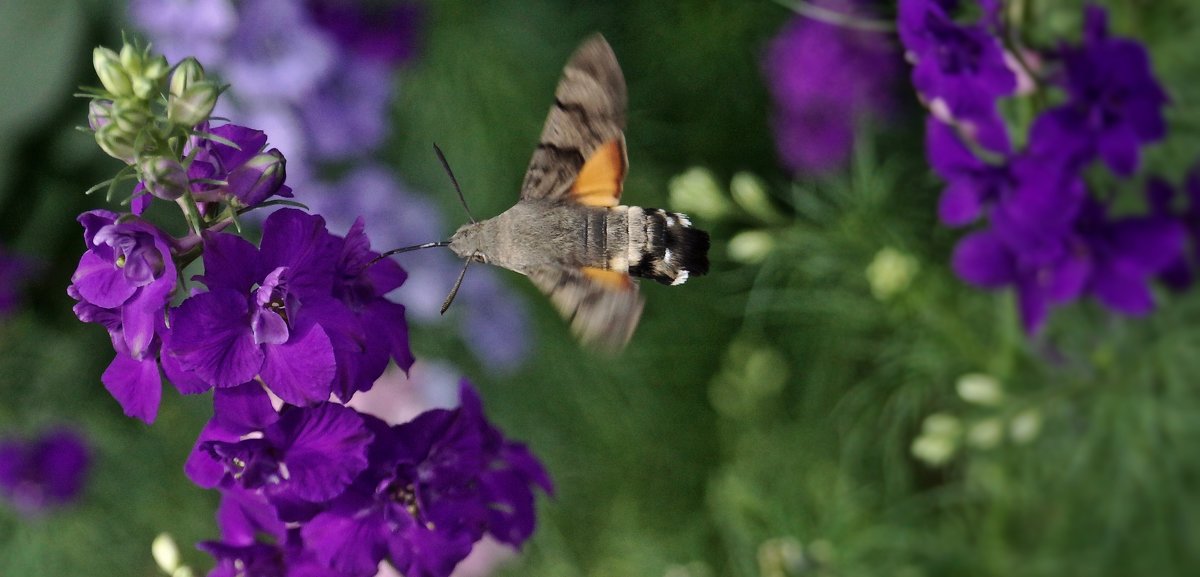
<point x="602" y="176"/>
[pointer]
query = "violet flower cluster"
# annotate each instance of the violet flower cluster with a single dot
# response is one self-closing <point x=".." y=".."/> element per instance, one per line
<point x="284" y="332"/>
<point x="318" y="76"/>
<point x="43" y="472"/>
<point x="1043" y="229"/>
<point x="825" y="79"/>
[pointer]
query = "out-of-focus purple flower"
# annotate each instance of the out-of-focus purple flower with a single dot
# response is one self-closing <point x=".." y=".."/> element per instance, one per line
<point x="384" y="33"/>
<point x="14" y="272"/>
<point x="346" y="115"/>
<point x="250" y="174"/>
<point x="1115" y="106"/>
<point x="434" y="487"/>
<point x="276" y="52"/>
<point x="43" y="472"/>
<point x="1165" y="203"/>
<point x="182" y="28"/>
<point x="259" y="316"/>
<point x="1125" y="255"/>
<point x="960" y="69"/>
<point x="825" y="79"/>
<point x="971" y="184"/>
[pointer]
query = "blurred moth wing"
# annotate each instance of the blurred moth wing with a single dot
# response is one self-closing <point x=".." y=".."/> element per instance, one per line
<point x="568" y="232"/>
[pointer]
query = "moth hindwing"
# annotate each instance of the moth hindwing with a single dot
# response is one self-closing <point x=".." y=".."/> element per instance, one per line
<point x="568" y="232"/>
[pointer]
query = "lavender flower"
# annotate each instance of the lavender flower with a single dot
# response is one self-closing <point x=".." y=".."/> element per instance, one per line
<point x="824" y="79"/>
<point x="43" y="472"/>
<point x="1115" y="103"/>
<point x="434" y="487"/>
<point x="959" y="70"/>
<point x="249" y="174"/>
<point x="182" y="28"/>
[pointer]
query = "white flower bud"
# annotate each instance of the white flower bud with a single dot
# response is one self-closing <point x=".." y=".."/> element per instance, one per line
<point x="980" y="389"/>
<point x="112" y="74"/>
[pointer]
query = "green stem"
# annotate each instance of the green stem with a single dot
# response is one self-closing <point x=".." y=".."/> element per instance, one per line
<point x="191" y="212"/>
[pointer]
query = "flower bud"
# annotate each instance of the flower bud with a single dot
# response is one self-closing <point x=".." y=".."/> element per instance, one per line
<point x="130" y="115"/>
<point x="890" y="272"/>
<point x="986" y="434"/>
<point x="165" y="552"/>
<point x="99" y="113"/>
<point x="193" y="105"/>
<point x="112" y="74"/>
<point x="980" y="389"/>
<point x="696" y="192"/>
<point x="147" y="79"/>
<point x="751" y="246"/>
<point x="750" y="193"/>
<point x="258" y="179"/>
<point x="187" y="73"/>
<point x="115" y="142"/>
<point x="163" y="177"/>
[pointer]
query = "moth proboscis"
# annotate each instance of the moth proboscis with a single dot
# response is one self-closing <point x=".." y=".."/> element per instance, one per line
<point x="568" y="231"/>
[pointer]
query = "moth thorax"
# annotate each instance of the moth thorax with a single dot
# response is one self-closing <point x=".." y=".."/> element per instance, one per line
<point x="664" y="247"/>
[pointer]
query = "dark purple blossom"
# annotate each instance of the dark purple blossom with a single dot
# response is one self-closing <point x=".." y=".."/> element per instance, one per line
<point x="385" y="33"/>
<point x="959" y="70"/>
<point x="259" y="316"/>
<point x="310" y="455"/>
<point x="434" y="487"/>
<point x="43" y="472"/>
<point x="1115" y="104"/>
<point x="824" y="80"/>
<point x="971" y="184"/>
<point x="1125" y="254"/>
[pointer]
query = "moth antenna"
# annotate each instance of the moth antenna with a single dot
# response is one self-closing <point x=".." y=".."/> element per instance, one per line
<point x="407" y="249"/>
<point x="454" y="181"/>
<point x="457" y="285"/>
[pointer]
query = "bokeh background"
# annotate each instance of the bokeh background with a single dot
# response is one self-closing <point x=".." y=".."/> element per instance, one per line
<point x="831" y="400"/>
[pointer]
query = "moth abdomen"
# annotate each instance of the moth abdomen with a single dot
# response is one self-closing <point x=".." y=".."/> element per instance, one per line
<point x="670" y="250"/>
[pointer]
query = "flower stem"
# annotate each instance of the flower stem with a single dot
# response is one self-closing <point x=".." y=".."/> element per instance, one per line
<point x="191" y="212"/>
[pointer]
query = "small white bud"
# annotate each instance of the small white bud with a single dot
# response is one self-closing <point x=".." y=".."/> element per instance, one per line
<point x="166" y="553"/>
<point x="980" y="389"/>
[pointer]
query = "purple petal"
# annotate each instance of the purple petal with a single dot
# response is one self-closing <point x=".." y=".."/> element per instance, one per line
<point x="960" y="202"/>
<point x="243" y="408"/>
<point x="100" y="282"/>
<point x="300" y="371"/>
<point x="186" y="382"/>
<point x="230" y="262"/>
<point x="201" y="467"/>
<point x="135" y="384"/>
<point x="350" y="542"/>
<point x="982" y="259"/>
<point x="243" y="514"/>
<point x="249" y="142"/>
<point x="1123" y="293"/>
<point x="299" y="241"/>
<point x="387" y="318"/>
<point x="1032" y="306"/>
<point x="211" y="337"/>
<point x="324" y="447"/>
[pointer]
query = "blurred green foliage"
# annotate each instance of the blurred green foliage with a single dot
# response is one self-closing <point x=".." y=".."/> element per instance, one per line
<point x="764" y="420"/>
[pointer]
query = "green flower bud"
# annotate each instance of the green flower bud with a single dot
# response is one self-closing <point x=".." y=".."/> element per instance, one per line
<point x="147" y="81"/>
<point x="116" y="142"/>
<point x="696" y="192"/>
<point x="1025" y="426"/>
<point x="130" y="114"/>
<point x="187" y="73"/>
<point x="165" y="553"/>
<point x="890" y="272"/>
<point x="986" y="434"/>
<point x="163" y="177"/>
<point x="112" y="74"/>
<point x="751" y="246"/>
<point x="99" y="113"/>
<point x="193" y="105"/>
<point x="980" y="389"/>
<point x="750" y="193"/>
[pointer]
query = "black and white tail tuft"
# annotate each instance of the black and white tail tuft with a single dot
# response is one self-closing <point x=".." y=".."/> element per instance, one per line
<point x="674" y="250"/>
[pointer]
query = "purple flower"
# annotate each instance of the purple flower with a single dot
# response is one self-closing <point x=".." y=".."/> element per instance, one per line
<point x="386" y="34"/>
<point x="379" y="331"/>
<point x="1115" y="106"/>
<point x="346" y="115"/>
<point x="43" y="472"/>
<point x="182" y="28"/>
<point x="1125" y="255"/>
<point x="310" y="455"/>
<point x="435" y="486"/>
<point x="958" y="69"/>
<point x="127" y="269"/>
<point x="259" y="316"/>
<point x="276" y="53"/>
<point x="250" y="174"/>
<point x="971" y="184"/>
<point x="824" y="79"/>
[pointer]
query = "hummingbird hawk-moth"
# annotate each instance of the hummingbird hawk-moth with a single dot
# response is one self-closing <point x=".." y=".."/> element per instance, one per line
<point x="569" y="233"/>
